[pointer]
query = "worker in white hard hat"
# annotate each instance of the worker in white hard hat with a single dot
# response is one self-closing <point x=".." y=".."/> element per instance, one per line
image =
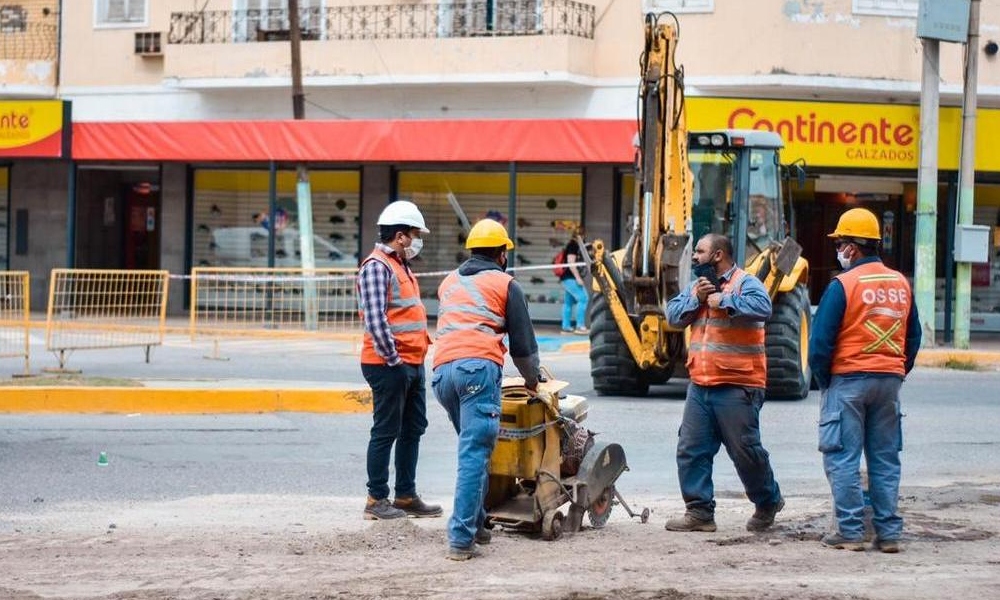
<point x="392" y="362"/>
<point x="479" y="305"/>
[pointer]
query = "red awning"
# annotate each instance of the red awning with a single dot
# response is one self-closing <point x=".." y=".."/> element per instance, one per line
<point x="549" y="140"/>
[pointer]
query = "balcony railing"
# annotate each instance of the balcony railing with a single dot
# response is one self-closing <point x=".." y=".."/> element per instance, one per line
<point x="388" y="22"/>
<point x="29" y="41"/>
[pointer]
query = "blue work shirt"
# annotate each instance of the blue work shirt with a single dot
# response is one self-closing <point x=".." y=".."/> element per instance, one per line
<point x="826" y="327"/>
<point x="751" y="303"/>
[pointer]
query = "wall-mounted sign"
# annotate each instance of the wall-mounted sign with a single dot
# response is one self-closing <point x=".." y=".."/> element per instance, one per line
<point x="35" y="129"/>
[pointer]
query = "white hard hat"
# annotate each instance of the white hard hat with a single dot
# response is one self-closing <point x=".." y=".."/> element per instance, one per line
<point x="403" y="212"/>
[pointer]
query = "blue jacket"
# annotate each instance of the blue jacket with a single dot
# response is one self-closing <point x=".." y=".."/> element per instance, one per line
<point x="826" y="327"/>
<point x="752" y="302"/>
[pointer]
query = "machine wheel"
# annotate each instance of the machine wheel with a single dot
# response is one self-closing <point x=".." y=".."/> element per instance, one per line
<point x="787" y="342"/>
<point x="552" y="523"/>
<point x="600" y="511"/>
<point x="611" y="364"/>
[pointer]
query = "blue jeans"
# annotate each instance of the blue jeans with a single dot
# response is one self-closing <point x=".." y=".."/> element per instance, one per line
<point x="469" y="390"/>
<point x="860" y="412"/>
<point x="723" y="415"/>
<point x="574" y="293"/>
<point x="399" y="416"/>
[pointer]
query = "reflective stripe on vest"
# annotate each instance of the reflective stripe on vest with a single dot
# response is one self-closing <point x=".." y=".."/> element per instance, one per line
<point x="405" y="313"/>
<point x="872" y="337"/>
<point x="724" y="350"/>
<point x="472" y="317"/>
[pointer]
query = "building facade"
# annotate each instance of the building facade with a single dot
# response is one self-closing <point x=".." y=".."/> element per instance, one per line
<point x="523" y="109"/>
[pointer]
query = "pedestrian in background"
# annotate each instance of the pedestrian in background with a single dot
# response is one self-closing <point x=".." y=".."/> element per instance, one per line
<point x="865" y="338"/>
<point x="392" y="362"/>
<point x="574" y="287"/>
<point x="726" y="309"/>
<point x="479" y="305"/>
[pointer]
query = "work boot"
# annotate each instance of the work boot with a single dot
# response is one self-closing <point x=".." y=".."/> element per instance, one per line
<point x="886" y="546"/>
<point x="835" y="540"/>
<point x="462" y="553"/>
<point x="417" y="508"/>
<point x="483" y="536"/>
<point x="376" y="510"/>
<point x="690" y="522"/>
<point x="763" y="517"/>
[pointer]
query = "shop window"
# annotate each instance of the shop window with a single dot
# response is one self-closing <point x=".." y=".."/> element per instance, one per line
<point x="680" y="6"/>
<point x="231" y="219"/>
<point x="4" y="218"/>
<point x="547" y="205"/>
<point x="120" y="13"/>
<point x="891" y="8"/>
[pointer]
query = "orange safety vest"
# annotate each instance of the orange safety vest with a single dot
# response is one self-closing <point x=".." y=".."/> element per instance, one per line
<point x="472" y="317"/>
<point x="724" y="350"/>
<point x="405" y="313"/>
<point x="872" y="336"/>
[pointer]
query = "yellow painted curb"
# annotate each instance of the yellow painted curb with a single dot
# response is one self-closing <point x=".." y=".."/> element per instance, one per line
<point x="939" y="358"/>
<point x="575" y="347"/>
<point x="181" y="400"/>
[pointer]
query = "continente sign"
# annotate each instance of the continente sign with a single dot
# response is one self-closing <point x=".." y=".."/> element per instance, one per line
<point x="824" y="134"/>
<point x="34" y="129"/>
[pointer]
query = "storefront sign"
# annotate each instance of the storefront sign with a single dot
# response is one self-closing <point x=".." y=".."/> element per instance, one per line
<point x="34" y="129"/>
<point x="829" y="134"/>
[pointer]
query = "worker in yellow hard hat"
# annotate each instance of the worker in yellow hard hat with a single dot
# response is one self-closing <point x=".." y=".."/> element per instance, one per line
<point x="479" y="305"/>
<point x="865" y="337"/>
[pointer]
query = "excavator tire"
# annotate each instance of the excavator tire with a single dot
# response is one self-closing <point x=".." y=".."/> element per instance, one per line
<point x="611" y="364"/>
<point x="787" y="343"/>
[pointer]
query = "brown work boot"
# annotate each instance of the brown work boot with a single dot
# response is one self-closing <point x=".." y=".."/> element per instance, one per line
<point x="690" y="522"/>
<point x="376" y="510"/>
<point x="835" y="540"/>
<point x="415" y="507"/>
<point x="463" y="553"/>
<point x="886" y="546"/>
<point x="763" y="517"/>
<point x="483" y="536"/>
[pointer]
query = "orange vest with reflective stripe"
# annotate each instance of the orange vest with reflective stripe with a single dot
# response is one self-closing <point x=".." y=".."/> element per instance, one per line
<point x="472" y="317"/>
<point x="405" y="313"/>
<point x="872" y="336"/>
<point x="724" y="350"/>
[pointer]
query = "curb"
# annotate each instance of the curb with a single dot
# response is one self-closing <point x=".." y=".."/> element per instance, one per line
<point x="941" y="357"/>
<point x="178" y="401"/>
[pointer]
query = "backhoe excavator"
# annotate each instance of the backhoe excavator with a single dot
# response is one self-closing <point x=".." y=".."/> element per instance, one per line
<point x="689" y="184"/>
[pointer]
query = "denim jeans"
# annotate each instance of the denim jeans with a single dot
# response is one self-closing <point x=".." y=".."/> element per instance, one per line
<point x="574" y="293"/>
<point x="723" y="415"/>
<point x="861" y="412"/>
<point x="399" y="416"/>
<point x="469" y="391"/>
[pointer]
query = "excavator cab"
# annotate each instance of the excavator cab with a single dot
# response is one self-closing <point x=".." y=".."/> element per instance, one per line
<point x="723" y="165"/>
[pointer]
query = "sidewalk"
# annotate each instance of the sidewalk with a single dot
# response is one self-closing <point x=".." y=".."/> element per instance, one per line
<point x="258" y="375"/>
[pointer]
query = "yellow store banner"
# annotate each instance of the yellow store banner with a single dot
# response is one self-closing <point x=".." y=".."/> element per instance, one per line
<point x="32" y="128"/>
<point x="866" y="136"/>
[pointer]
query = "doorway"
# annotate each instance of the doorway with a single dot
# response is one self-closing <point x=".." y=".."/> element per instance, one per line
<point x="118" y="217"/>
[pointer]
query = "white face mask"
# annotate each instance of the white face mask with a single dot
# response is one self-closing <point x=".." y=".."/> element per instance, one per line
<point x="411" y="251"/>
<point x="843" y="260"/>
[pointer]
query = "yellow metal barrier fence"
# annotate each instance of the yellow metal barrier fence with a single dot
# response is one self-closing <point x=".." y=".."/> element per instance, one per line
<point x="274" y="302"/>
<point x="15" y="316"/>
<point x="97" y="308"/>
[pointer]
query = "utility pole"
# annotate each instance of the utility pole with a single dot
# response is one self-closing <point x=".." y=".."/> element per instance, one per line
<point x="967" y="176"/>
<point x="925" y="275"/>
<point x="303" y="193"/>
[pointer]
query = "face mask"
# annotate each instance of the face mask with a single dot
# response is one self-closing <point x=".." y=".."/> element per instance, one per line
<point x="843" y="260"/>
<point x="411" y="251"/>
<point x="706" y="270"/>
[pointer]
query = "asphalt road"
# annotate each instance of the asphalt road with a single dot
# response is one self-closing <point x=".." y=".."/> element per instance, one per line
<point x="950" y="435"/>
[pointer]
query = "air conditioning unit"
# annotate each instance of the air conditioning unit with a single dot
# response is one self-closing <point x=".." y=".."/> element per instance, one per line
<point x="147" y="43"/>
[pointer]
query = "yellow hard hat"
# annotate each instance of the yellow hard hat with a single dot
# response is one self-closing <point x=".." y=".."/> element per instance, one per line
<point x="857" y="223"/>
<point x="487" y="233"/>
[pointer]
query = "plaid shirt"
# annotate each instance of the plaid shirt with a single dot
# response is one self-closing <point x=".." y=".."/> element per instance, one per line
<point x="373" y="283"/>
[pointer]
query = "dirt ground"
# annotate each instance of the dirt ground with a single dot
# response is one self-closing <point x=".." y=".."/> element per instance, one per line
<point x="270" y="547"/>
